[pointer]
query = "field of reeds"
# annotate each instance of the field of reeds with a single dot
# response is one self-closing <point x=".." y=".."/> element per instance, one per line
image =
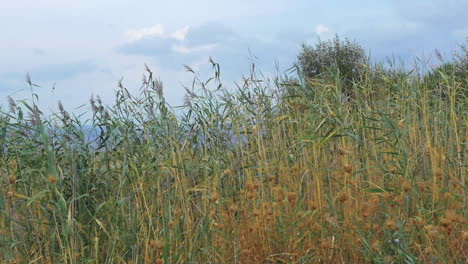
<point x="279" y="170"/>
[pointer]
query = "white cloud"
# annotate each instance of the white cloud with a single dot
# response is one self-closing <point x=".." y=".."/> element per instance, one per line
<point x="321" y="29"/>
<point x="153" y="31"/>
<point x="185" y="50"/>
<point x="181" y="33"/>
<point x="157" y="31"/>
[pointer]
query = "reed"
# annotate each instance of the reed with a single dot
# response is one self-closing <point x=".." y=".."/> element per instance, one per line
<point x="273" y="171"/>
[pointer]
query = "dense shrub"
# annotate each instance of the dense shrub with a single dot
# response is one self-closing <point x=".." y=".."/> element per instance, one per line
<point x="333" y="56"/>
<point x="461" y="61"/>
<point x="449" y="75"/>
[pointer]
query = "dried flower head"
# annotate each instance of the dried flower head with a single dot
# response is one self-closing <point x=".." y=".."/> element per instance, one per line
<point x="313" y="205"/>
<point x="52" y="179"/>
<point x="291" y="196"/>
<point x="342" y="151"/>
<point x="348" y="168"/>
<point x="14" y="165"/>
<point x="214" y="196"/>
<point x="157" y="244"/>
<point x="406" y="186"/>
<point x="11" y="179"/>
<point x="12" y="105"/>
<point x="228" y="172"/>
<point x="343" y="196"/>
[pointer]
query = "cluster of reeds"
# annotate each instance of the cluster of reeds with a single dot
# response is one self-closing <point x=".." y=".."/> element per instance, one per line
<point x="273" y="171"/>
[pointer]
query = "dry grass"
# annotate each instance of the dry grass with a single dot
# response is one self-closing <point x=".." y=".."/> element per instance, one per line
<point x="265" y="174"/>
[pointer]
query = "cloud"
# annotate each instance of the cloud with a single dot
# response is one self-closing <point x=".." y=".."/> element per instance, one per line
<point x="210" y="33"/>
<point x="186" y="50"/>
<point x="147" y="46"/>
<point x="184" y="41"/>
<point x="180" y="34"/>
<point x="193" y="45"/>
<point x="415" y="29"/>
<point x="321" y="29"/>
<point x="153" y="31"/>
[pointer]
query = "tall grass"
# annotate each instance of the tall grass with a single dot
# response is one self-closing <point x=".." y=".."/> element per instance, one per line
<point x="275" y="171"/>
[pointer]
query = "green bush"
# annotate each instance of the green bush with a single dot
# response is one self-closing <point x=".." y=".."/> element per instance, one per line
<point x="450" y="75"/>
<point x="328" y="58"/>
<point x="461" y="61"/>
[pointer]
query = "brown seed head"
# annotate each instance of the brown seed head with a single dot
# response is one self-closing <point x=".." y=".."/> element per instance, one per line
<point x="448" y="196"/>
<point x="418" y="222"/>
<point x="406" y="186"/>
<point x="375" y="246"/>
<point x="342" y="151"/>
<point x="228" y="172"/>
<point x="390" y="224"/>
<point x="256" y="185"/>
<point x="422" y="187"/>
<point x="279" y="197"/>
<point x="348" y="168"/>
<point x="212" y="214"/>
<point x="300" y="214"/>
<point x="13" y="164"/>
<point x="366" y="209"/>
<point x="157" y="244"/>
<point x="52" y="179"/>
<point x="445" y="221"/>
<point x="214" y="197"/>
<point x="232" y="209"/>
<point x="291" y="196"/>
<point x="313" y="205"/>
<point x="171" y="225"/>
<point x="343" y="196"/>
<point x="11" y="179"/>
<point x="257" y="213"/>
<point x="271" y="178"/>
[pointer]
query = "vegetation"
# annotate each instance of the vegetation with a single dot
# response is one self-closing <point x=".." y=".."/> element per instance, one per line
<point x="344" y="58"/>
<point x="454" y="71"/>
<point x="277" y="171"/>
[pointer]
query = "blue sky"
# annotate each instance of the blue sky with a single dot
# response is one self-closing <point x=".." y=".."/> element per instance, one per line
<point x="76" y="48"/>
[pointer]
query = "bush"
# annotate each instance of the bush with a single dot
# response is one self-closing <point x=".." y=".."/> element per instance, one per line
<point x="327" y="57"/>
<point x="461" y="63"/>
<point x="450" y="74"/>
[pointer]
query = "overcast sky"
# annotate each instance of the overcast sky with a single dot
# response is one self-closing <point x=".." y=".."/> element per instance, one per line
<point x="75" y="48"/>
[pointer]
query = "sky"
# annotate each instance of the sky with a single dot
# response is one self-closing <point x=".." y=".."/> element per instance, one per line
<point x="75" y="48"/>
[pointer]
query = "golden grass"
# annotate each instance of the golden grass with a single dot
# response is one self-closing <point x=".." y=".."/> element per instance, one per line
<point x="303" y="177"/>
